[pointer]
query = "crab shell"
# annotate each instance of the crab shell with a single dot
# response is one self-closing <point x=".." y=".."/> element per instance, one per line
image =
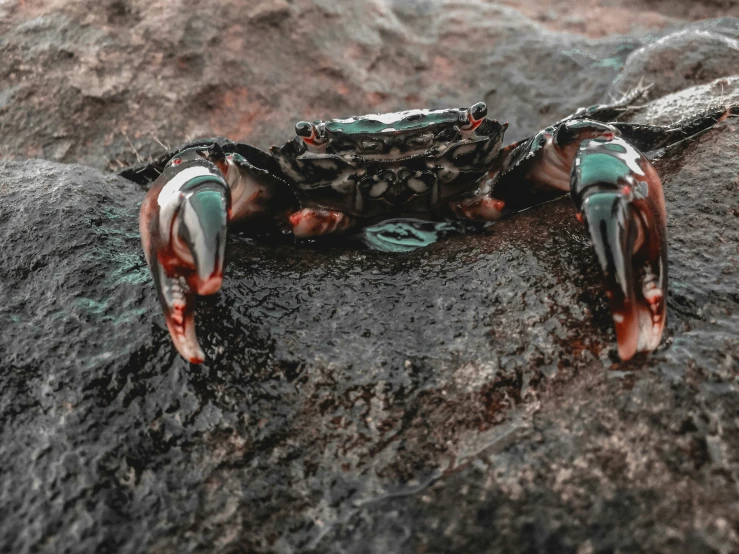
<point x="377" y="164"/>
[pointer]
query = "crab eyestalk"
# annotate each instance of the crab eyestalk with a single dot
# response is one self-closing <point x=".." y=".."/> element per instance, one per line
<point x="183" y="230"/>
<point x="313" y="135"/>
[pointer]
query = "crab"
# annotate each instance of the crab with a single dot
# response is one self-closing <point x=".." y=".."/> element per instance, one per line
<point x="342" y="175"/>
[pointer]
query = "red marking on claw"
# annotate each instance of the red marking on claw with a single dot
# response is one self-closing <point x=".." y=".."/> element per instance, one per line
<point x="222" y="166"/>
<point x="176" y="161"/>
<point x="296" y="218"/>
<point x="211" y="285"/>
<point x="579" y="217"/>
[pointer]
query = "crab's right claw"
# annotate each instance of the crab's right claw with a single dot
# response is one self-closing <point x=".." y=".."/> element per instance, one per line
<point x="621" y="202"/>
<point x="183" y="230"/>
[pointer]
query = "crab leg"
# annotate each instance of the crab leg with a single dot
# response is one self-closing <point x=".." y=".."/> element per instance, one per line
<point x="480" y="207"/>
<point x="314" y="222"/>
<point x="649" y="137"/>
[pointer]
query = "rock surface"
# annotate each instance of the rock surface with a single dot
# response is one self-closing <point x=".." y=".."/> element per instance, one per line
<point x="101" y="83"/>
<point x="464" y="397"/>
<point x="683" y="59"/>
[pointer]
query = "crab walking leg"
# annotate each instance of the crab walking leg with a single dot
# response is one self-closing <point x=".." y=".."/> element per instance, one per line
<point x="650" y="137"/>
<point x="183" y="230"/>
<point x="254" y="192"/>
<point x="313" y="222"/>
<point x="619" y="198"/>
<point x="478" y="208"/>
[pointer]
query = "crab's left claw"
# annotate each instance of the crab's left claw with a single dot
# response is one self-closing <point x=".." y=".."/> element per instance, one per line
<point x="183" y="230"/>
<point x="620" y="200"/>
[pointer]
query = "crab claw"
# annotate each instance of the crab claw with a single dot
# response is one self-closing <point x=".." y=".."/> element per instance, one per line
<point x="183" y="230"/>
<point x="622" y="205"/>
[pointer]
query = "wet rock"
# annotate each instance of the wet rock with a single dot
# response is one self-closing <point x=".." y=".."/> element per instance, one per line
<point x="611" y="461"/>
<point x="697" y="55"/>
<point x="483" y="412"/>
<point x="313" y="400"/>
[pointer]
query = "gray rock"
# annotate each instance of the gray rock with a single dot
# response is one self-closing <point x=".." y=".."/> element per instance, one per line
<point x="102" y="83"/>
<point x="673" y="108"/>
<point x="483" y="412"/>
<point x="696" y="55"/>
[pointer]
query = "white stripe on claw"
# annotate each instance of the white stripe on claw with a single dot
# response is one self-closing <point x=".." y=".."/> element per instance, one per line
<point x="170" y="192"/>
<point x="169" y="196"/>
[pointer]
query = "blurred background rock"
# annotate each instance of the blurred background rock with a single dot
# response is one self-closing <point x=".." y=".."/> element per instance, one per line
<point x="94" y="82"/>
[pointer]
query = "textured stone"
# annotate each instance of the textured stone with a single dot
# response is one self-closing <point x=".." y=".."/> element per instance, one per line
<point x="696" y="55"/>
<point x="102" y="83"/>
<point x="671" y="109"/>
<point x="483" y="412"/>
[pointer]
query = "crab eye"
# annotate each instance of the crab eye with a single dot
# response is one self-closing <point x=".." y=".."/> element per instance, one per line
<point x="473" y="116"/>
<point x="175" y="161"/>
<point x="305" y="129"/>
<point x="313" y="134"/>
<point x="477" y="111"/>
